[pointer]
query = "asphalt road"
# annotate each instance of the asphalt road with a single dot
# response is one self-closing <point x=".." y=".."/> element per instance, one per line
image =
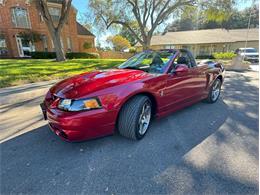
<point x="206" y="148"/>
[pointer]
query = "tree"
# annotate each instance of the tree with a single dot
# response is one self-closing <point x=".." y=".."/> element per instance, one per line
<point x="119" y="42"/>
<point x="238" y="19"/>
<point x="55" y="30"/>
<point x="124" y="32"/>
<point x="148" y="14"/>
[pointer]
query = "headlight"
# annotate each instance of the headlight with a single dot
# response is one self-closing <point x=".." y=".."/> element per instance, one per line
<point x="78" y="105"/>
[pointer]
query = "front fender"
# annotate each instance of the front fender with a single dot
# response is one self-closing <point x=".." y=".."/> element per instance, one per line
<point x="132" y="90"/>
<point x="116" y="98"/>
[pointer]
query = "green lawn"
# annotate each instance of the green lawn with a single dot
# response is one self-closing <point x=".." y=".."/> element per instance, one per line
<point x="17" y="72"/>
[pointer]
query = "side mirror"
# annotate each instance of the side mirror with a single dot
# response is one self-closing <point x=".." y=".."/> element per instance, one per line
<point x="181" y="68"/>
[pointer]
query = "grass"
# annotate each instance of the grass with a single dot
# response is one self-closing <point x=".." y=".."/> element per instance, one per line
<point x="17" y="72"/>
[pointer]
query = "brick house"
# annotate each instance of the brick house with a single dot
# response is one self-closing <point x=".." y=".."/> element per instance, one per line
<point x="19" y="19"/>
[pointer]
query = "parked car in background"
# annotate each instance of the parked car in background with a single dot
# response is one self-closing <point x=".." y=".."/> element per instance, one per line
<point x="250" y="54"/>
<point x="149" y="84"/>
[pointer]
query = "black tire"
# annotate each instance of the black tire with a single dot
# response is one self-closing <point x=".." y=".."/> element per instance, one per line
<point x="211" y="98"/>
<point x="129" y="116"/>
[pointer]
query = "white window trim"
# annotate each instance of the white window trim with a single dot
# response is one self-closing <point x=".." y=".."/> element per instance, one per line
<point x="13" y="18"/>
<point x="4" y="45"/>
<point x="69" y="45"/>
<point x="2" y="2"/>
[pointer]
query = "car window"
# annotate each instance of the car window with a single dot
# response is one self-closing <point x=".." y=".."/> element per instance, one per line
<point x="251" y="50"/>
<point x="184" y="58"/>
<point x="152" y="62"/>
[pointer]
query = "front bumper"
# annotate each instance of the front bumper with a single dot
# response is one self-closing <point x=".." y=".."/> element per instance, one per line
<point x="254" y="59"/>
<point x="79" y="126"/>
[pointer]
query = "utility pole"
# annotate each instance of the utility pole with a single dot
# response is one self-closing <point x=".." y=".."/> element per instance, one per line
<point x="248" y="26"/>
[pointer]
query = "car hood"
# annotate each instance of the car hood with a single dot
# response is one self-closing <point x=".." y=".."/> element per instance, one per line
<point x="81" y="85"/>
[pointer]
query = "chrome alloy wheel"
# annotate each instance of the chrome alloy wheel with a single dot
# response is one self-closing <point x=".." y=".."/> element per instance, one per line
<point x="145" y="118"/>
<point x="215" y="90"/>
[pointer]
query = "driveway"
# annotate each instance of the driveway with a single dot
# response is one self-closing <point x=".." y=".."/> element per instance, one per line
<point x="254" y="67"/>
<point x="206" y="148"/>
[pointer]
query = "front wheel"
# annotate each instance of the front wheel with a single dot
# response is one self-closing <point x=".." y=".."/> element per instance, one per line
<point x="214" y="92"/>
<point x="135" y="117"/>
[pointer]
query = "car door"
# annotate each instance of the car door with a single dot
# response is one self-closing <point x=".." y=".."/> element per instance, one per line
<point x="198" y="80"/>
<point x="178" y="88"/>
<point x="185" y="88"/>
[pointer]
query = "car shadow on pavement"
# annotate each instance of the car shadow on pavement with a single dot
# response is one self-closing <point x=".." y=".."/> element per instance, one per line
<point x="163" y="162"/>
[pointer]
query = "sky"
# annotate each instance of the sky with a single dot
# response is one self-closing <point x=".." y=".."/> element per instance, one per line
<point x="82" y="7"/>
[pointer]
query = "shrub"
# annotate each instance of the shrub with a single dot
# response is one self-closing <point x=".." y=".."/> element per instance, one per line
<point x="119" y="43"/>
<point x="72" y="55"/>
<point x="132" y="50"/>
<point x="75" y="55"/>
<point x="42" y="55"/>
<point x="225" y="55"/>
<point x="205" y="57"/>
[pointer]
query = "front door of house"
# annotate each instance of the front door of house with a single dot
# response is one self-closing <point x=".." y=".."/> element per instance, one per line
<point x="20" y="46"/>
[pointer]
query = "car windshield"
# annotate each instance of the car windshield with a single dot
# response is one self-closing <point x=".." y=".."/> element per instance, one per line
<point x="149" y="61"/>
<point x="251" y="50"/>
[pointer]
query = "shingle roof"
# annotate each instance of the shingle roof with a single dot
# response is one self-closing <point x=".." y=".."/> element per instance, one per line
<point x="205" y="36"/>
<point x="83" y="31"/>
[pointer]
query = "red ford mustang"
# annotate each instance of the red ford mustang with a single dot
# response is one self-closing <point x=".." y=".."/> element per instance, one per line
<point x="151" y="83"/>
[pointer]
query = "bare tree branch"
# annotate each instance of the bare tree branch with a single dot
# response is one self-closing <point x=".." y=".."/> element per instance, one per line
<point x="66" y="4"/>
<point x="128" y="27"/>
<point x="143" y="11"/>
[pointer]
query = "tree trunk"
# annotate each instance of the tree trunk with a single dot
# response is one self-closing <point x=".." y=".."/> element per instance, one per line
<point x="55" y="31"/>
<point x="60" y="55"/>
<point x="147" y="43"/>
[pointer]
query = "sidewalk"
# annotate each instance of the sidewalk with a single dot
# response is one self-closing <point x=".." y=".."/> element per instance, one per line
<point x="254" y="67"/>
<point x="12" y="95"/>
<point x="19" y="108"/>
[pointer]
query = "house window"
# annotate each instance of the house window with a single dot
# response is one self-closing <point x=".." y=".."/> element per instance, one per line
<point x="2" y="42"/>
<point x="20" y="18"/>
<point x="45" y="42"/>
<point x="169" y="47"/>
<point x="55" y="13"/>
<point x="3" y="47"/>
<point x="69" y="44"/>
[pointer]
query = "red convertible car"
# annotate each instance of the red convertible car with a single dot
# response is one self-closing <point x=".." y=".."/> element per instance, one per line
<point x="149" y="84"/>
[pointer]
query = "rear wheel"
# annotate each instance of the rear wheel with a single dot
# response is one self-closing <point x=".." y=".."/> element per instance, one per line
<point x="135" y="117"/>
<point x="214" y="91"/>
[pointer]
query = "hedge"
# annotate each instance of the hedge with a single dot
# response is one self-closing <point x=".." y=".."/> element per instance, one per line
<point x="42" y="55"/>
<point x="72" y="55"/>
<point x="225" y="55"/>
<point x="205" y="57"/>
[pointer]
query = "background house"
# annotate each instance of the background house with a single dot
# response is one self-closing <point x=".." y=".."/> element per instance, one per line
<point x="206" y="42"/>
<point x="19" y="19"/>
